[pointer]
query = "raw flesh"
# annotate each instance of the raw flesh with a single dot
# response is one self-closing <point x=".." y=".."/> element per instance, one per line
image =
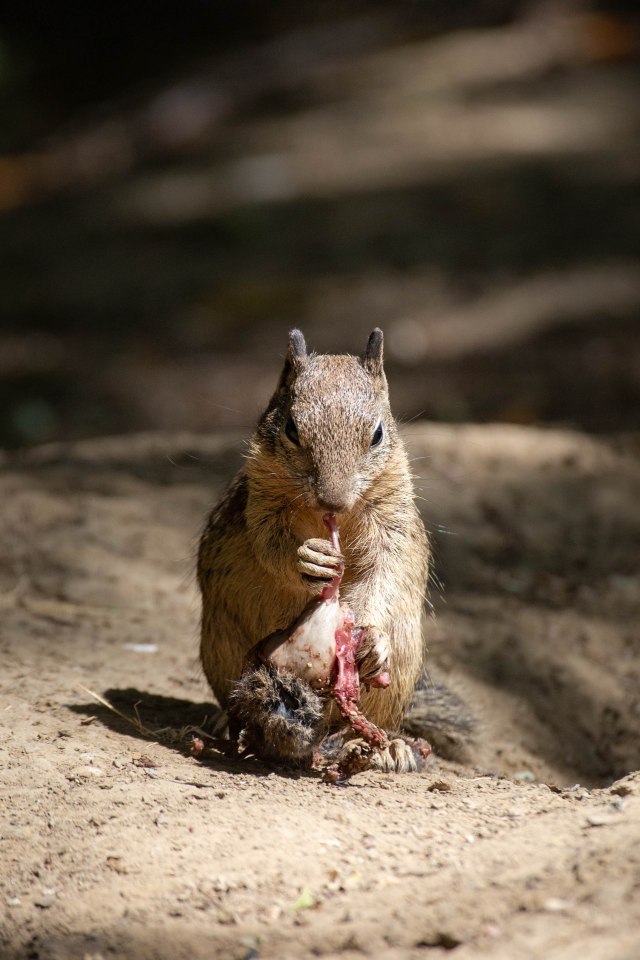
<point x="320" y="647"/>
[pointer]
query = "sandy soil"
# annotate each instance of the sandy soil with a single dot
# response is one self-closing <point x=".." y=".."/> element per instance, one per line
<point x="114" y="844"/>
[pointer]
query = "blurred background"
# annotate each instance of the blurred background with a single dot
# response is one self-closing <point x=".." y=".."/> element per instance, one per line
<point x="182" y="183"/>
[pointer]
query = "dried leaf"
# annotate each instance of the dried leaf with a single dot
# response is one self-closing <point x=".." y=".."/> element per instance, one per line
<point x="305" y="901"/>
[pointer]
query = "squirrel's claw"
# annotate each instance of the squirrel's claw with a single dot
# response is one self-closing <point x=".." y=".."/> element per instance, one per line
<point x="401" y="756"/>
<point x="372" y="656"/>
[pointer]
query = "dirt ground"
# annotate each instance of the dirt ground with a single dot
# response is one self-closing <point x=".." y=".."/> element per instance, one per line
<point x="119" y="845"/>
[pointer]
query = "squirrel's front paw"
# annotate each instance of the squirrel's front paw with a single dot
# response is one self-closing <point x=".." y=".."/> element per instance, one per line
<point x="372" y="656"/>
<point x="318" y="563"/>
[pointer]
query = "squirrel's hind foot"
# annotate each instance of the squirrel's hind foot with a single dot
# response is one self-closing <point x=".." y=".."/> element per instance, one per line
<point x="403" y="755"/>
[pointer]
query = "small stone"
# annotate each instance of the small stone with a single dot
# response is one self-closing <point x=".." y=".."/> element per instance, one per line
<point x="225" y="917"/>
<point x="555" y="905"/>
<point x="601" y="819"/>
<point x="13" y="901"/>
<point x="272" y="914"/>
<point x="221" y="885"/>
<point x="85" y="773"/>
<point x="525" y="776"/>
<point x="579" y="792"/>
<point x="44" y="902"/>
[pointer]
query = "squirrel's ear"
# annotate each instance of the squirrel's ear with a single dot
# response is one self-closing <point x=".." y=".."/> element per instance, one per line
<point x="372" y="360"/>
<point x="297" y="347"/>
<point x="296" y="353"/>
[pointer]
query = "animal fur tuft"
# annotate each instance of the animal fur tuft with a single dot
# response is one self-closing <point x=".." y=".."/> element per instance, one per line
<point x="278" y="716"/>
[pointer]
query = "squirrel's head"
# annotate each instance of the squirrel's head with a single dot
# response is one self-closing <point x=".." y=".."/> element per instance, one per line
<point x="328" y="429"/>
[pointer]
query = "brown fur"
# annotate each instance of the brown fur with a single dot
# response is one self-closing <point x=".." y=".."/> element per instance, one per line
<point x="253" y="579"/>
<point x="277" y="716"/>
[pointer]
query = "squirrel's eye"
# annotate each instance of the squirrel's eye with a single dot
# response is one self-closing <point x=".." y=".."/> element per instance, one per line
<point x="291" y="431"/>
<point x="377" y="436"/>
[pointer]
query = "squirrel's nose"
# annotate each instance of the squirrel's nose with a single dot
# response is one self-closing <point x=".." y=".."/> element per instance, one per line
<point x="334" y="504"/>
<point x="334" y="494"/>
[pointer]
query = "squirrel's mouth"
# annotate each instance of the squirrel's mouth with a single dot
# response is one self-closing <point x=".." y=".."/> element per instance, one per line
<point x="334" y="506"/>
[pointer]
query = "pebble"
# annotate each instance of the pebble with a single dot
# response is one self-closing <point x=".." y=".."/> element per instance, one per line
<point x="44" y="902"/>
<point x="555" y="905"/>
<point x="272" y="914"/>
<point x="524" y="776"/>
<point x="87" y="771"/>
<point x="601" y="819"/>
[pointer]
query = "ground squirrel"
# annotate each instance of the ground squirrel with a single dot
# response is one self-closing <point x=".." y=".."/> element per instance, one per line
<point x="326" y="442"/>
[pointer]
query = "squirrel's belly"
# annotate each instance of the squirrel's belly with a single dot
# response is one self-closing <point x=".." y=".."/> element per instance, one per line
<point x="307" y="649"/>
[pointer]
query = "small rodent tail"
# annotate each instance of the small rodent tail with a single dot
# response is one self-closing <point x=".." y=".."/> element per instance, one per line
<point x="441" y="717"/>
<point x="276" y="716"/>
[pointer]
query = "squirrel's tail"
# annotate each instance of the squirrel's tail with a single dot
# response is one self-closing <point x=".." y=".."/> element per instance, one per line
<point x="439" y="715"/>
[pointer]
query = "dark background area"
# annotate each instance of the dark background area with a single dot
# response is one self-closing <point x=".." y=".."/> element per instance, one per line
<point x="180" y="184"/>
